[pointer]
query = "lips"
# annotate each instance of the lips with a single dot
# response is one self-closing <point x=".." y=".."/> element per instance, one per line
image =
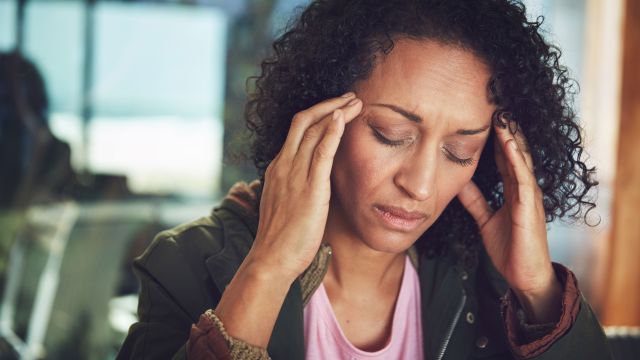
<point x="401" y="213"/>
<point x="399" y="219"/>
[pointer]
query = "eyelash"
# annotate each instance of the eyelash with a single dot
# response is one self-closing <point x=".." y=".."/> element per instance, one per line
<point x="383" y="140"/>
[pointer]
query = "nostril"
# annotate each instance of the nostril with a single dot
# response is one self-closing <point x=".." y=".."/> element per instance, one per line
<point x="419" y="191"/>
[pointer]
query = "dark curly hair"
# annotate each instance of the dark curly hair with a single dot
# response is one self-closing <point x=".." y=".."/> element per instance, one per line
<point x="334" y="43"/>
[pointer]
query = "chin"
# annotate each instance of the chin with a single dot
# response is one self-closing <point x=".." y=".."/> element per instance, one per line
<point x="382" y="238"/>
<point x="389" y="241"/>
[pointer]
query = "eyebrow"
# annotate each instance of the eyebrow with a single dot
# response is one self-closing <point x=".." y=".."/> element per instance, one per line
<point x="417" y="119"/>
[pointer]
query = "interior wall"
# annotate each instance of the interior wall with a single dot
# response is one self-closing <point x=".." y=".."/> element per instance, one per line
<point x="622" y="303"/>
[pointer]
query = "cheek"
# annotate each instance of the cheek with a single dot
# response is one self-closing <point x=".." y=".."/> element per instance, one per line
<point x="451" y="182"/>
<point x="360" y="162"/>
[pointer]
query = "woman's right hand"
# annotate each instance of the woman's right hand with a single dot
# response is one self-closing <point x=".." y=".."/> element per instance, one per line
<point x="296" y="191"/>
<point x="293" y="214"/>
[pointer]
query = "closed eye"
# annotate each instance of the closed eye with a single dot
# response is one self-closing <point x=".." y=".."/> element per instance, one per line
<point x="384" y="140"/>
<point x="457" y="160"/>
<point x="395" y="143"/>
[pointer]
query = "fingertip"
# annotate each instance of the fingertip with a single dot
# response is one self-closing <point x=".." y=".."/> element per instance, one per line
<point x="339" y="120"/>
<point x="353" y="102"/>
<point x="499" y="120"/>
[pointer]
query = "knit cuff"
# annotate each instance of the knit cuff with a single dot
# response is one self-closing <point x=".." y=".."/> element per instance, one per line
<point x="209" y="340"/>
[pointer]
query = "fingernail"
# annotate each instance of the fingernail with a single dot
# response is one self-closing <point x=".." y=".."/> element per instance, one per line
<point x="353" y="102"/>
<point x="512" y="144"/>
<point x="348" y="95"/>
<point x="513" y="126"/>
<point x="497" y="119"/>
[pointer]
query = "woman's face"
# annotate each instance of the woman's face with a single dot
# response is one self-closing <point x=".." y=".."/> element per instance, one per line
<point x="425" y="120"/>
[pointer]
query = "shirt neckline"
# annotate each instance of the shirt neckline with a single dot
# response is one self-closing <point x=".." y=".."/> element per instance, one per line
<point x="401" y="302"/>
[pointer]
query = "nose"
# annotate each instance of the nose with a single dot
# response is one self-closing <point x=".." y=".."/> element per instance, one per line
<point x="417" y="175"/>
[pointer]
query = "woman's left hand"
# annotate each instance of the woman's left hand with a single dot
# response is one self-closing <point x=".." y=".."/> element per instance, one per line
<point x="515" y="236"/>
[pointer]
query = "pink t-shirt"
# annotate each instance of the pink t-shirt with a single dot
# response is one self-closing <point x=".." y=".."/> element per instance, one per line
<point x="324" y="338"/>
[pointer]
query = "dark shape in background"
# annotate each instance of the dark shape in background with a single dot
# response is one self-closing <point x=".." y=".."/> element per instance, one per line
<point x="35" y="166"/>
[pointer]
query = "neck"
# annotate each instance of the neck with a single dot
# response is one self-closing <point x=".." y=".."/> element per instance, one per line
<point x="354" y="266"/>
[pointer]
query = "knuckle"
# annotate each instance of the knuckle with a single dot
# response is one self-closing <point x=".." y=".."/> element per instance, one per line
<point x="273" y="170"/>
<point x="300" y="117"/>
<point x="477" y="201"/>
<point x="333" y="128"/>
<point x="269" y="171"/>
<point x="527" y="193"/>
<point x="321" y="153"/>
<point x="278" y="156"/>
<point x="539" y="195"/>
<point x="531" y="183"/>
<point x="310" y="134"/>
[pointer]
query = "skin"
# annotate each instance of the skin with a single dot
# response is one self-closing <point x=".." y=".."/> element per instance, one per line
<point x="333" y="170"/>
<point x="430" y="81"/>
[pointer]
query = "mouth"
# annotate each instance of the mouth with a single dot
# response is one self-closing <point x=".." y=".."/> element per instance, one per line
<point x="399" y="219"/>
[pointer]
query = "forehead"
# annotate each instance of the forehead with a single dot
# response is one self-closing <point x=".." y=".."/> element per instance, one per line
<point x="431" y="79"/>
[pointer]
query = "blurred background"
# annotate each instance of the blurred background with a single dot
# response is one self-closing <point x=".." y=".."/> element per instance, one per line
<point x="119" y="119"/>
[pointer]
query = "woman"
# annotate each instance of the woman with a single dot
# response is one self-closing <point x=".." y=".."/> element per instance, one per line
<point x="404" y="219"/>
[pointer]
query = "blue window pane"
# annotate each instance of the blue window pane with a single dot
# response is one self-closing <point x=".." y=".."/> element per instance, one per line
<point x="157" y="96"/>
<point x="7" y="24"/>
<point x="54" y="41"/>
<point x="158" y="59"/>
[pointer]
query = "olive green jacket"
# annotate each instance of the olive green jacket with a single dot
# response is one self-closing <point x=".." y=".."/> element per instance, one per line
<point x="185" y="270"/>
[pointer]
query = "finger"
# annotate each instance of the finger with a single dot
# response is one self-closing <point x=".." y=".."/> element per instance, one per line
<point x="508" y="177"/>
<point x="523" y="145"/>
<point x="474" y="201"/>
<point x="501" y="159"/>
<point x="507" y="133"/>
<point x="314" y="135"/>
<point x="324" y="153"/>
<point x="307" y="118"/>
<point x="506" y="171"/>
<point x="516" y="163"/>
<point x="515" y="132"/>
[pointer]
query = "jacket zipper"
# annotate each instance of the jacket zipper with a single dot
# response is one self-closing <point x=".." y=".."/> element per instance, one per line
<point x="452" y="326"/>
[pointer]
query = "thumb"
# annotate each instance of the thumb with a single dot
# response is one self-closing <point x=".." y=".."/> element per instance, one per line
<point x="473" y="200"/>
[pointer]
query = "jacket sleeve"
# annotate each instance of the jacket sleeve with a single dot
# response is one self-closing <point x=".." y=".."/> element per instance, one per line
<point x="209" y="340"/>
<point x="162" y="328"/>
<point x="577" y="334"/>
<point x="165" y="329"/>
